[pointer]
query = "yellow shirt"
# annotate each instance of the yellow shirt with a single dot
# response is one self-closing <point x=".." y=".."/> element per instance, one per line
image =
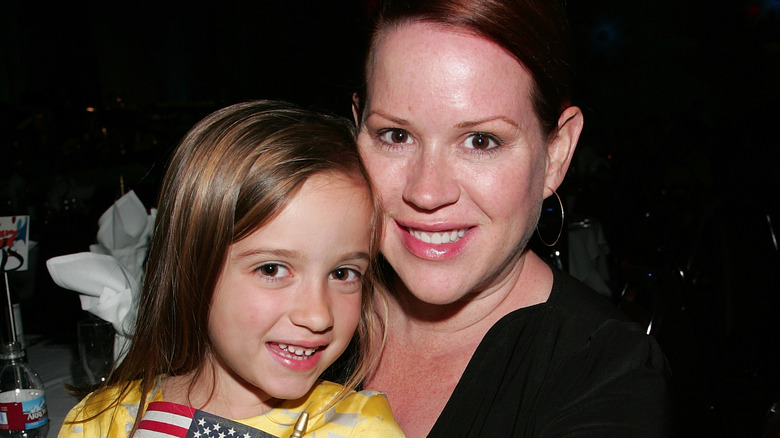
<point x="364" y="413"/>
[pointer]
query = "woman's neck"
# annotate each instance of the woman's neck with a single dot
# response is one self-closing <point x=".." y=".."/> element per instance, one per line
<point x="428" y="347"/>
<point x="528" y="282"/>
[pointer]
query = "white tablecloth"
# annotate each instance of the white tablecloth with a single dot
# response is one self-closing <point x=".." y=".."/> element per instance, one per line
<point x="55" y="364"/>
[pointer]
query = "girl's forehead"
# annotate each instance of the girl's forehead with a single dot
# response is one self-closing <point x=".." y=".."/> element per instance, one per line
<point x="329" y="216"/>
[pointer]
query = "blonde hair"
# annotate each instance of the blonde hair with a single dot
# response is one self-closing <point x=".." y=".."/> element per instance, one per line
<point x="233" y="172"/>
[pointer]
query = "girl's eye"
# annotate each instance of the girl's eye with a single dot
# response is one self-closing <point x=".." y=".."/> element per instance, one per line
<point x="274" y="270"/>
<point x="345" y="274"/>
<point x="481" y="141"/>
<point x="395" y="136"/>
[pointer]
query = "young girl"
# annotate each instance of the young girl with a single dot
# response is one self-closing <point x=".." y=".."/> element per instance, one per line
<point x="258" y="276"/>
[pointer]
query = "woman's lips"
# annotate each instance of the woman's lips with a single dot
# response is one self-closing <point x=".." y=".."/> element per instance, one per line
<point x="432" y="244"/>
<point x="438" y="237"/>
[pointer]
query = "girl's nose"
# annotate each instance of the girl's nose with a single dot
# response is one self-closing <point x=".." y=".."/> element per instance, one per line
<point x="312" y="309"/>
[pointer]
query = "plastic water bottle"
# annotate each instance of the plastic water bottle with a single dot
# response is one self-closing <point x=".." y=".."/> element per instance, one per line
<point x="23" y="412"/>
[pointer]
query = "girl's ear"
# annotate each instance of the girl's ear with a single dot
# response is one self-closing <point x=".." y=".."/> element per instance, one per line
<point x="561" y="148"/>
<point x="356" y="109"/>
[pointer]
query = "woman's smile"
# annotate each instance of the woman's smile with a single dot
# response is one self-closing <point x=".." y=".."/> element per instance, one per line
<point x="438" y="237"/>
<point x="460" y="169"/>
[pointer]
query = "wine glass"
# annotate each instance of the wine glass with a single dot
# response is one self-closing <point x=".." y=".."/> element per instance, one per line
<point x="96" y="348"/>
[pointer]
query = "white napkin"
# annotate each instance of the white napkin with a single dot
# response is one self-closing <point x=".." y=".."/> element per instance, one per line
<point x="588" y="252"/>
<point x="107" y="289"/>
<point x="110" y="275"/>
<point x="124" y="231"/>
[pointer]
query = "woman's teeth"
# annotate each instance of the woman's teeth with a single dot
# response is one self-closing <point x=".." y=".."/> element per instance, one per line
<point x="438" y="237"/>
<point x="297" y="352"/>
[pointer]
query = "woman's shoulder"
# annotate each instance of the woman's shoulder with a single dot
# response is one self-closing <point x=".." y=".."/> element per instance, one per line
<point x="575" y="317"/>
<point x="575" y="360"/>
<point x="572" y="295"/>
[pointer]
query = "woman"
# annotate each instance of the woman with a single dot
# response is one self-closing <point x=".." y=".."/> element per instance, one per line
<point x="466" y="126"/>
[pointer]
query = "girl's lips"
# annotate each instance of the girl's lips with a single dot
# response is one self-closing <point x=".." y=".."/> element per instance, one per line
<point x="296" y="357"/>
<point x="297" y="351"/>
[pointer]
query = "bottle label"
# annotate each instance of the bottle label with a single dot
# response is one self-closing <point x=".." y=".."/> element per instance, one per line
<point x="21" y="415"/>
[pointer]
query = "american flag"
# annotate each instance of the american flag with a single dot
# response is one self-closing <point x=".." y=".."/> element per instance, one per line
<point x="171" y="420"/>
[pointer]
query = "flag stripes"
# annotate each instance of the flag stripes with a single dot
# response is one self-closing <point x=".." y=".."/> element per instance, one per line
<point x="171" y="420"/>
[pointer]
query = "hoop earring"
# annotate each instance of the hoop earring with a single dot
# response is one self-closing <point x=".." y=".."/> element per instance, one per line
<point x="560" y="231"/>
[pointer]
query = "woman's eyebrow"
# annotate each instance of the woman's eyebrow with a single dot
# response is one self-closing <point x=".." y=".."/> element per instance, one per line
<point x="472" y="123"/>
<point x="395" y="120"/>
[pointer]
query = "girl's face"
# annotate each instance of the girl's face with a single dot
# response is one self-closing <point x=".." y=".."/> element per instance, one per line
<point x="289" y="297"/>
<point x="450" y="137"/>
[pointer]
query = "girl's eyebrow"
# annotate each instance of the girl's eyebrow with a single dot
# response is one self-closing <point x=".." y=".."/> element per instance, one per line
<point x="285" y="253"/>
<point x="358" y="255"/>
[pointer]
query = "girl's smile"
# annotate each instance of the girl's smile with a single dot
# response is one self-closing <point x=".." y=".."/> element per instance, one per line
<point x="289" y="298"/>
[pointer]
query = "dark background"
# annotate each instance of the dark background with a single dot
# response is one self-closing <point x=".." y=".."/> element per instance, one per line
<point x="677" y="160"/>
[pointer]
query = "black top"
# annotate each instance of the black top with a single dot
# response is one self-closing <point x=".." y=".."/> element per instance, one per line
<point x="574" y="366"/>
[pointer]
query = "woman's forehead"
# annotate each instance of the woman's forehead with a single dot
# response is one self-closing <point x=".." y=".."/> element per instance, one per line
<point x="422" y="68"/>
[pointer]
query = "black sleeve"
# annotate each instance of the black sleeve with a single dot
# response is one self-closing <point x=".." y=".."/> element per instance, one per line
<point x="616" y="386"/>
<point x="571" y="367"/>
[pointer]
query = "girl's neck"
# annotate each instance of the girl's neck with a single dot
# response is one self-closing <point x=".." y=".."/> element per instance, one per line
<point x="202" y="392"/>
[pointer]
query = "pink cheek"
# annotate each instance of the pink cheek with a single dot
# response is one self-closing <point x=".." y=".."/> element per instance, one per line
<point x="353" y="316"/>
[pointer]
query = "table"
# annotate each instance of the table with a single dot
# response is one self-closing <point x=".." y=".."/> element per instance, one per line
<point x="56" y="364"/>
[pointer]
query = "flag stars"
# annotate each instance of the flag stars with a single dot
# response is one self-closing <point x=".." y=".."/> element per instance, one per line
<point x="204" y="425"/>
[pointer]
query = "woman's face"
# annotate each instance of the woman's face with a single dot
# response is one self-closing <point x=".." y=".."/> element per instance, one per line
<point x="450" y="137"/>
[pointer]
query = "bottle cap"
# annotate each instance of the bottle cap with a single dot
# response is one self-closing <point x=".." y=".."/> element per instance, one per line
<point x="11" y="350"/>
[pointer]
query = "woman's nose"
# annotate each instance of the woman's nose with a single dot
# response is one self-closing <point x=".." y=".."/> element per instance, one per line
<point x="430" y="182"/>
<point x="312" y="309"/>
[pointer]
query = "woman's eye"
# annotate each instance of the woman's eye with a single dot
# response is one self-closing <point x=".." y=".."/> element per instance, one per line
<point x="481" y="141"/>
<point x="395" y="136"/>
<point x="345" y="274"/>
<point x="274" y="270"/>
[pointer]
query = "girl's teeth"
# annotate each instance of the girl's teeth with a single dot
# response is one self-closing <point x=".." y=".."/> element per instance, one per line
<point x="298" y="351"/>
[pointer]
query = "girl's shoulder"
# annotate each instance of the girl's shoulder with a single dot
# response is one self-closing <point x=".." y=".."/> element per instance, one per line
<point x="353" y="401"/>
<point x="356" y="414"/>
<point x="112" y="408"/>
